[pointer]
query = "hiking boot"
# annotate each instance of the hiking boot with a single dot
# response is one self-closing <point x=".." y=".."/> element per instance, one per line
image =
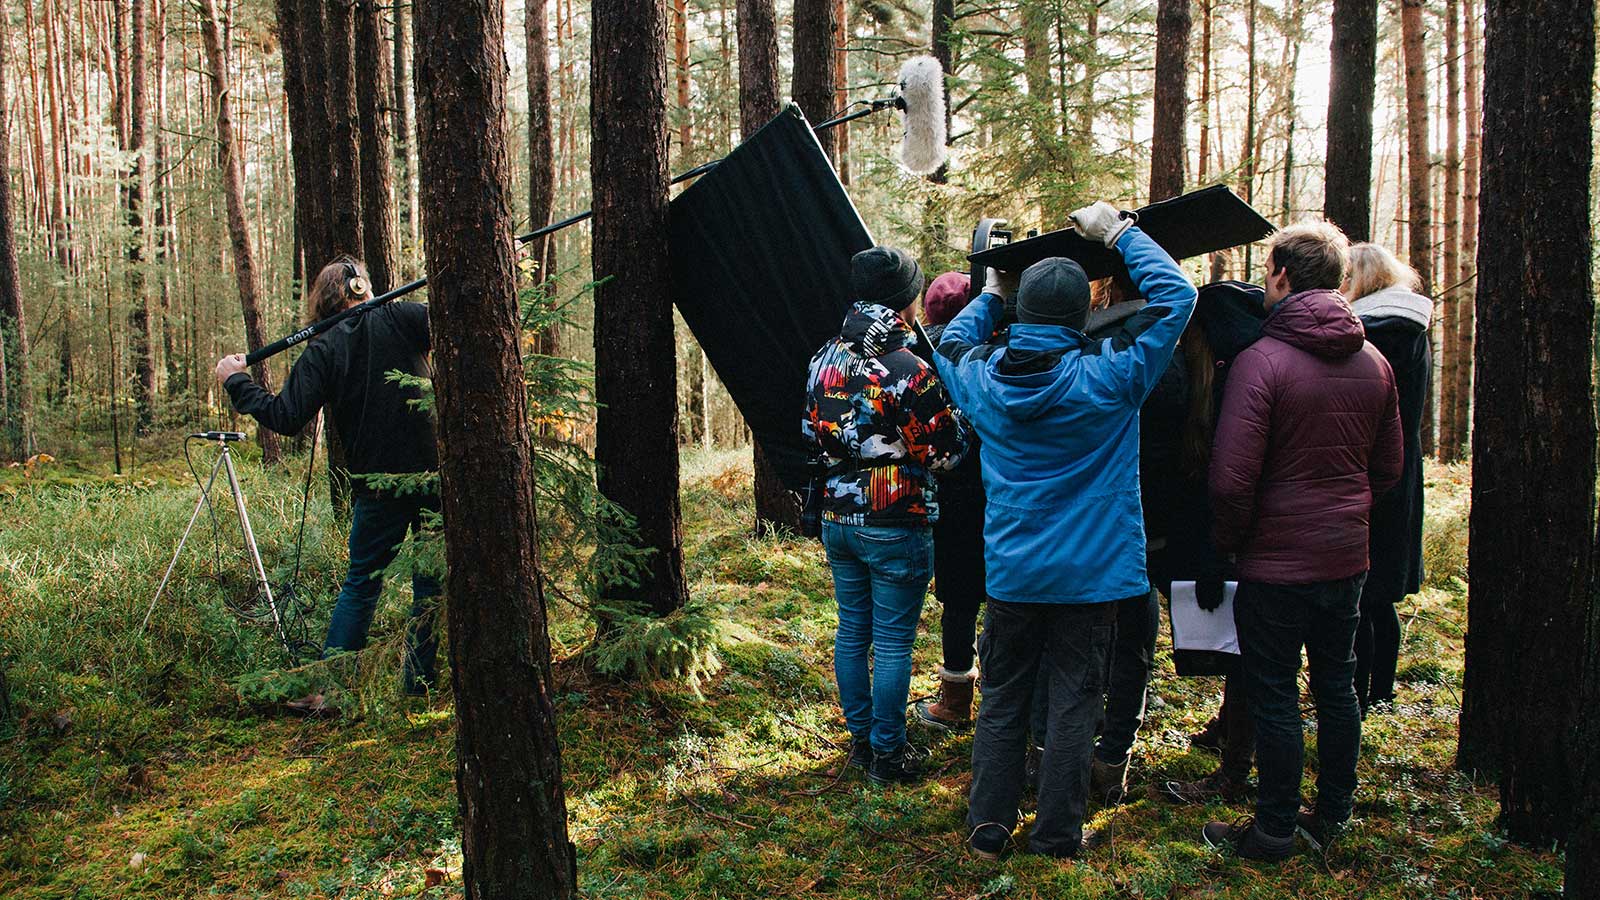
<point x="1108" y="783"/>
<point x="1095" y="839"/>
<point x="989" y="840"/>
<point x="903" y="765"/>
<point x="952" y="713"/>
<point x="860" y="754"/>
<point x="1219" y="785"/>
<point x="1247" y="840"/>
<point x="1213" y="737"/>
<point x="1319" y="833"/>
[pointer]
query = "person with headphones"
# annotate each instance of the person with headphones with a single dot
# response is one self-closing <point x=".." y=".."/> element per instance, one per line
<point x="345" y="371"/>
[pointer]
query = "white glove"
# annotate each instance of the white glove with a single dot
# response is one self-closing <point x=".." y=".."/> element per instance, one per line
<point x="1001" y="284"/>
<point x="1101" y="222"/>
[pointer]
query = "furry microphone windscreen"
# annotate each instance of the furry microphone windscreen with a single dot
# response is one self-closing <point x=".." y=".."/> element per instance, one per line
<point x="922" y="150"/>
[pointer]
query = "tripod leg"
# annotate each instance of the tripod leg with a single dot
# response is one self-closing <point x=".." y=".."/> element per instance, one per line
<point x="250" y="541"/>
<point x="198" y="505"/>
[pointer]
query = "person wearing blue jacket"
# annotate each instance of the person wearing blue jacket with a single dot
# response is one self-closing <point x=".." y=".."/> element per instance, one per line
<point x="1058" y="416"/>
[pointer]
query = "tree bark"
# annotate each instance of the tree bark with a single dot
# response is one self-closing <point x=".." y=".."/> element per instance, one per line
<point x="636" y="433"/>
<point x="1347" y="190"/>
<point x="814" y="27"/>
<point x="758" y="103"/>
<point x="1168" y="138"/>
<point x="1420" y="212"/>
<point x="1530" y="562"/>
<point x="1450" y="436"/>
<point x="508" y="758"/>
<point x="404" y="146"/>
<point x="344" y="120"/>
<point x="244" y="259"/>
<point x="1250" y="127"/>
<point x="139" y="318"/>
<point x="373" y="93"/>
<point x="541" y="160"/>
<point x="944" y="50"/>
<point x="1469" y="226"/>
<point x="13" y="317"/>
<point x="759" y="87"/>
<point x="300" y="32"/>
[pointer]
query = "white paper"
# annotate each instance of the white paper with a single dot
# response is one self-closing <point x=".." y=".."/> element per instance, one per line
<point x="1196" y="629"/>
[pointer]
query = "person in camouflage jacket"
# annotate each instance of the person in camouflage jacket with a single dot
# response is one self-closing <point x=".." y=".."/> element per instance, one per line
<point x="881" y="423"/>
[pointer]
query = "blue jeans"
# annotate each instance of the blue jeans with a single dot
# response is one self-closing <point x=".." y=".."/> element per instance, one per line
<point x="377" y="527"/>
<point x="880" y="577"/>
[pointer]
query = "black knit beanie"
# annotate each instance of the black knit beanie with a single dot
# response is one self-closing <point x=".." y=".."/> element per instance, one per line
<point x="1053" y="291"/>
<point x="887" y="276"/>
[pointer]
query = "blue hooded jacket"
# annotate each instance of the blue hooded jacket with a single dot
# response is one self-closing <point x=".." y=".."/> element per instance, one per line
<point x="1058" y="415"/>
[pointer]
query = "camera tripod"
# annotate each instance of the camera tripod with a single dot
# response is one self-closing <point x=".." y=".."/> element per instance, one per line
<point x="224" y="464"/>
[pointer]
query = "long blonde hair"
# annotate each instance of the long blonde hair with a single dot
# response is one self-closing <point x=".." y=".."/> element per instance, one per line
<point x="1373" y="268"/>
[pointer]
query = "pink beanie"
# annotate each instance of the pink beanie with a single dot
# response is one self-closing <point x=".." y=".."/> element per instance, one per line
<point x="946" y="297"/>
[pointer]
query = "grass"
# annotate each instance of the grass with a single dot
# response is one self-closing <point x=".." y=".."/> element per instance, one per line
<point x="133" y="768"/>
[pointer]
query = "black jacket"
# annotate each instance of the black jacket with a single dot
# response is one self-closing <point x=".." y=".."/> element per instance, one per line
<point x="1396" y="548"/>
<point x="1229" y="314"/>
<point x="344" y="369"/>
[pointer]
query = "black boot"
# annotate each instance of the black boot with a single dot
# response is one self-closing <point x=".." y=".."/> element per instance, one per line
<point x="900" y="766"/>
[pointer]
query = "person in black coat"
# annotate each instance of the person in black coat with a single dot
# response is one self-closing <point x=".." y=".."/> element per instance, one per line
<point x="345" y="371"/>
<point x="1381" y="290"/>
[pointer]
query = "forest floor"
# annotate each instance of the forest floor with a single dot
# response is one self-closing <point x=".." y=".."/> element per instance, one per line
<point x="135" y="764"/>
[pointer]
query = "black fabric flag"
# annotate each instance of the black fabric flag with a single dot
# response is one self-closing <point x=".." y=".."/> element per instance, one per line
<point x="761" y="249"/>
<point x="1202" y="221"/>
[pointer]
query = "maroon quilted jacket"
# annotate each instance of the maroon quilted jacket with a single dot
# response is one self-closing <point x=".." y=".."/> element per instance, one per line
<point x="1308" y="435"/>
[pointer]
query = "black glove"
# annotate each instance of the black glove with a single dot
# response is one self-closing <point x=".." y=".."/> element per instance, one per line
<point x="1208" y="593"/>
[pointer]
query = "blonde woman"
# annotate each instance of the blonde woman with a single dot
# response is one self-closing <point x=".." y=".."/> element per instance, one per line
<point x="1382" y="291"/>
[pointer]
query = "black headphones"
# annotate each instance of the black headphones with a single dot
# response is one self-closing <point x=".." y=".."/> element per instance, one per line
<point x="354" y="284"/>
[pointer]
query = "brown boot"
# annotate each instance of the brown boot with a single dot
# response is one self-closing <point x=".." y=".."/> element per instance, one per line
<point x="953" y="711"/>
<point x="1108" y="783"/>
<point x="1219" y="785"/>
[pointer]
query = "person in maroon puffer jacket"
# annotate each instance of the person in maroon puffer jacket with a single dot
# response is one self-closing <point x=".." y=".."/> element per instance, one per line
<point x="1309" y="435"/>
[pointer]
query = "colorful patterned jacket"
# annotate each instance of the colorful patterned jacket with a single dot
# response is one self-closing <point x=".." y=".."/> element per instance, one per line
<point x="881" y="421"/>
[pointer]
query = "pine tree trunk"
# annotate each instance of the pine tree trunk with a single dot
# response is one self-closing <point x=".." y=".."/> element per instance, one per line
<point x="373" y="93"/>
<point x="636" y="434"/>
<point x="814" y="27"/>
<point x="841" y="85"/>
<point x="759" y="87"/>
<point x="541" y="159"/>
<point x="18" y="424"/>
<point x="1420" y="213"/>
<point x="758" y="103"/>
<point x="300" y="30"/>
<point x="139" y="318"/>
<point x="943" y="45"/>
<point x="1451" y="438"/>
<point x="1168" y="139"/>
<point x="1469" y="226"/>
<point x="508" y="758"/>
<point x="404" y="146"/>
<point x="344" y="120"/>
<point x="232" y="167"/>
<point x="1347" y="189"/>
<point x="1530" y="561"/>
<point x="1248" y="152"/>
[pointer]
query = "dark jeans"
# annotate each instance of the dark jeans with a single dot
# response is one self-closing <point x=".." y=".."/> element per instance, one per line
<point x="1062" y="647"/>
<point x="1238" y="729"/>
<point x="1133" y="658"/>
<point x="1377" y="649"/>
<point x="1274" y="622"/>
<point x="377" y="527"/>
<point x="958" y="577"/>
